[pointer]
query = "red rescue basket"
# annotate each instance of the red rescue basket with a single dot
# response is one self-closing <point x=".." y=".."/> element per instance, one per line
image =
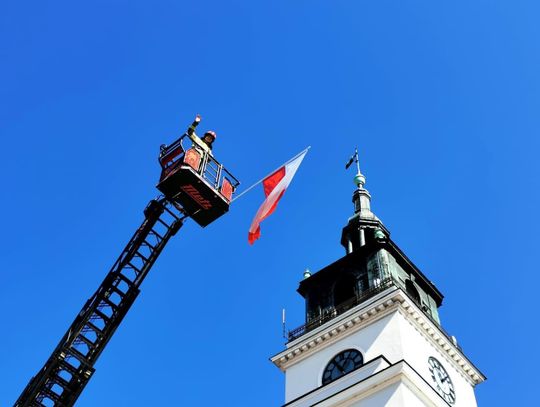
<point x="194" y="179"/>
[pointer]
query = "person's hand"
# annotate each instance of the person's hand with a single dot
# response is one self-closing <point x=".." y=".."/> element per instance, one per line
<point x="198" y="118"/>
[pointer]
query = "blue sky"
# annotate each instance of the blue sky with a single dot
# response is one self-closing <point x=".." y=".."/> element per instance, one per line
<point x="440" y="98"/>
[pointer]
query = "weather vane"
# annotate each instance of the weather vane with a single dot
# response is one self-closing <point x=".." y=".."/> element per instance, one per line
<point x="359" y="179"/>
<point x="354" y="158"/>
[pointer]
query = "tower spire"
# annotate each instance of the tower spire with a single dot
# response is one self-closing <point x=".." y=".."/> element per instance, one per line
<point x="361" y="196"/>
<point x="363" y="220"/>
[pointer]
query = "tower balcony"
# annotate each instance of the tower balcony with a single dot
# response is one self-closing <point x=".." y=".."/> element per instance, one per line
<point x="361" y="299"/>
<point x="338" y="310"/>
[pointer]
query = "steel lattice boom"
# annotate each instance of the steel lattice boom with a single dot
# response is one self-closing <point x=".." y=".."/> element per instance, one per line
<point x="69" y="368"/>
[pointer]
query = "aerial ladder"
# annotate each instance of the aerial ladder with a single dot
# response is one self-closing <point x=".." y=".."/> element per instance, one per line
<point x="192" y="184"/>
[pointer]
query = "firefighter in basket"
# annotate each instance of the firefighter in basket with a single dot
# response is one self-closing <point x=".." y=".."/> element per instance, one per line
<point x="206" y="142"/>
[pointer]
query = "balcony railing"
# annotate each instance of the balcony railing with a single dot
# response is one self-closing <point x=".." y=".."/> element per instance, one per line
<point x="353" y="302"/>
<point x="340" y="309"/>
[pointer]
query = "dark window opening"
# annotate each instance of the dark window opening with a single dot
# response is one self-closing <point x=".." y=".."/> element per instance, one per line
<point x="412" y="291"/>
<point x="344" y="290"/>
<point x="364" y="282"/>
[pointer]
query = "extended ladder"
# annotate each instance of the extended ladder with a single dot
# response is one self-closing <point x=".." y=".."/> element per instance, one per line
<point x="67" y="371"/>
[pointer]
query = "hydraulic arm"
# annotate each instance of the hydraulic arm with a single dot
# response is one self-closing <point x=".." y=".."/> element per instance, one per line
<point x="194" y="184"/>
<point x="71" y="365"/>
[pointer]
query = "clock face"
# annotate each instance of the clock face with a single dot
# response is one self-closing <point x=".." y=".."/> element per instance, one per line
<point x="343" y="363"/>
<point x="443" y="384"/>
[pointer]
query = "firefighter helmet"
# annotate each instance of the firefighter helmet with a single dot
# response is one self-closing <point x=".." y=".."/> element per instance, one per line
<point x="211" y="134"/>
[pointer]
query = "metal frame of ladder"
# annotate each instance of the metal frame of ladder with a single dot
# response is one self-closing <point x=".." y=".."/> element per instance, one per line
<point x="67" y="371"/>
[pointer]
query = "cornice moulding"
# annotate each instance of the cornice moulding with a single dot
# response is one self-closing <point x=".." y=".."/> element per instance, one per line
<point x="390" y="300"/>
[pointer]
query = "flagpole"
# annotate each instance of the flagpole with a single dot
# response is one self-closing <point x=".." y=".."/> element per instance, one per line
<point x="263" y="178"/>
<point x="357" y="160"/>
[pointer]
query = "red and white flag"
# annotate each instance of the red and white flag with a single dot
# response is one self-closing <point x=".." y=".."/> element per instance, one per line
<point x="275" y="186"/>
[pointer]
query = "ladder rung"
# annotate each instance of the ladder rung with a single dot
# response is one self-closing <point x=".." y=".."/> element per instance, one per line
<point x="102" y="315"/>
<point x="76" y="376"/>
<point x="123" y="277"/>
<point x="152" y="247"/>
<point x="164" y="223"/>
<point x="50" y="394"/>
<point x="117" y="290"/>
<point x="65" y="365"/>
<point x="78" y="355"/>
<point x="61" y="381"/>
<point x="132" y="266"/>
<point x="94" y="328"/>
<point x="111" y="304"/>
<point x="137" y="253"/>
<point x="156" y="234"/>
<point x="171" y="213"/>
<point x="87" y="341"/>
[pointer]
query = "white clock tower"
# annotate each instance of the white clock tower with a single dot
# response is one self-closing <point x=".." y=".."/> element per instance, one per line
<point x="372" y="335"/>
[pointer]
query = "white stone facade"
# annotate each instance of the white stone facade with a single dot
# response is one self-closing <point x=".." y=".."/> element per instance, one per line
<point x="396" y="339"/>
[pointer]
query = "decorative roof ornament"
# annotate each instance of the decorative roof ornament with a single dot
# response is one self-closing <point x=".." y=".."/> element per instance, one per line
<point x="359" y="179"/>
<point x="361" y="197"/>
<point x="363" y="226"/>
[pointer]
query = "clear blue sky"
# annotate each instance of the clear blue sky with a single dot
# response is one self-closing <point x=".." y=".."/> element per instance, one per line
<point x="442" y="99"/>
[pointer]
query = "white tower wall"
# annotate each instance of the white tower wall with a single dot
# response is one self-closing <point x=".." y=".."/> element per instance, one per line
<point x="396" y="340"/>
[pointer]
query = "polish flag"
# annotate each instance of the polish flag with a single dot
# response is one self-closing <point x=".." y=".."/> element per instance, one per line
<point x="275" y="186"/>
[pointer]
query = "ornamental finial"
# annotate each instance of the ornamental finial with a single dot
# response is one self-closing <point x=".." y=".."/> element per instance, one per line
<point x="359" y="179"/>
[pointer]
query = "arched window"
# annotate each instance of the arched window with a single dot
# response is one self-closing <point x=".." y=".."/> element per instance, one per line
<point x="344" y="289"/>
<point x="343" y="363"/>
